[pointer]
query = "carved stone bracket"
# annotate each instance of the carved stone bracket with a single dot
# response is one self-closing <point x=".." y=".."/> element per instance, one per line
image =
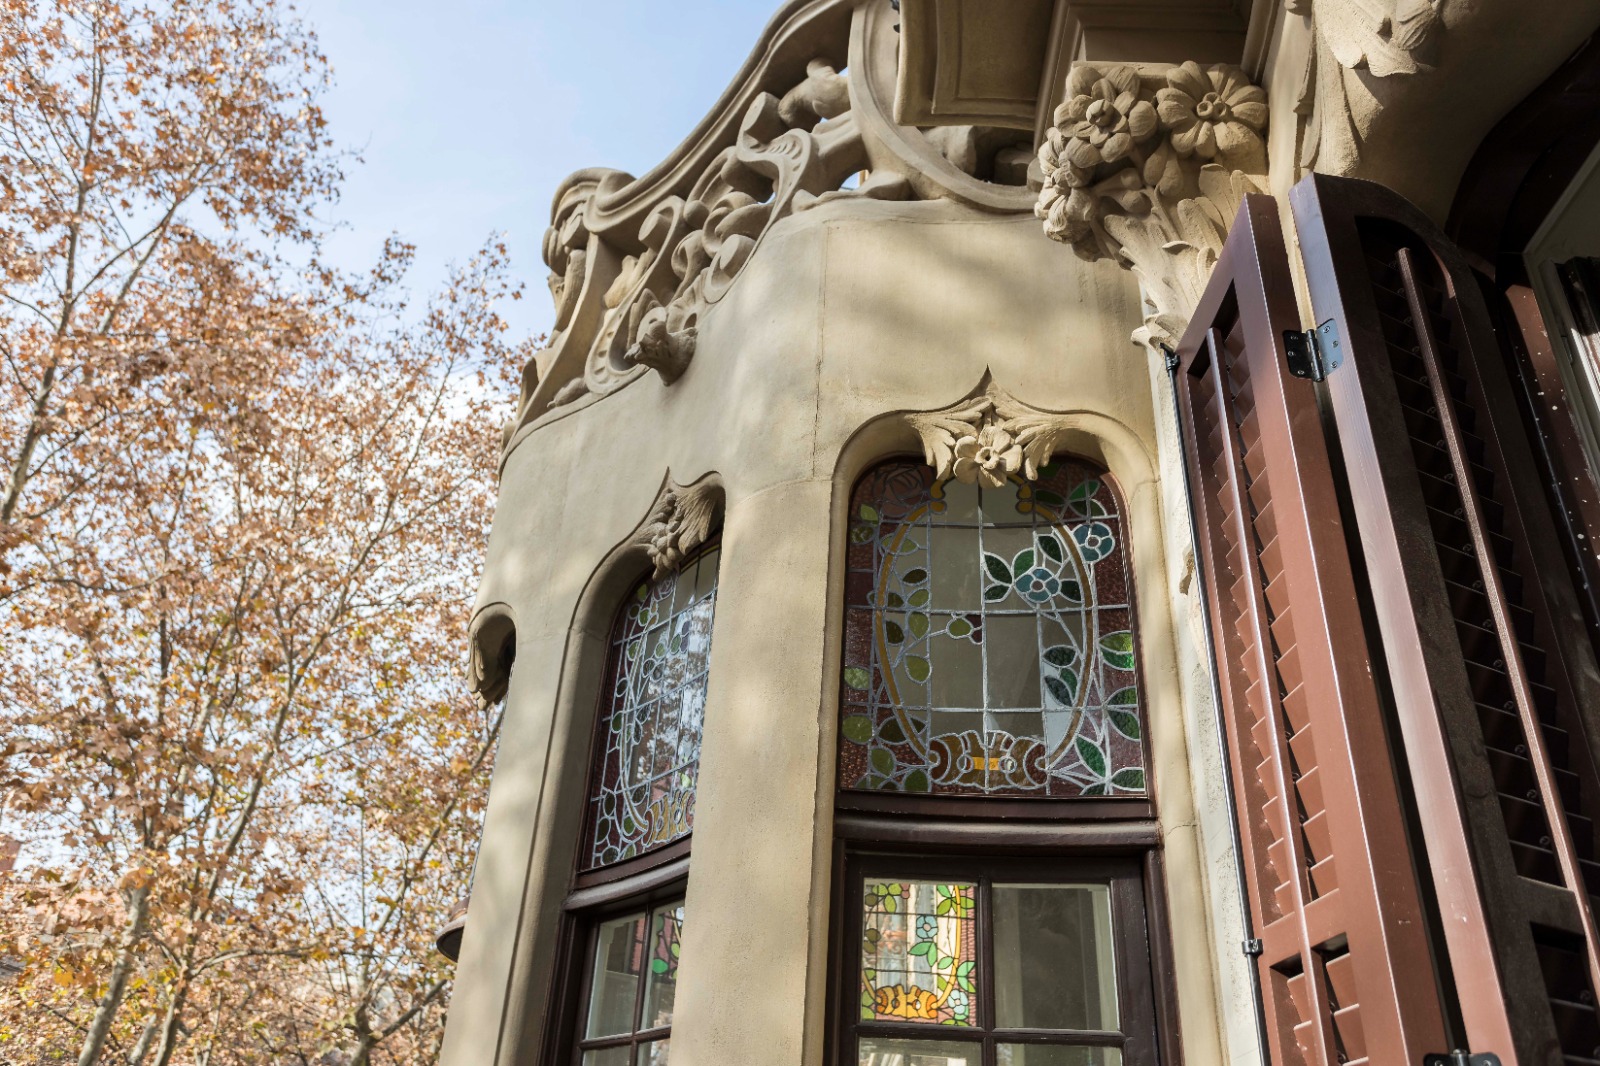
<point x="988" y="438"/>
<point x="680" y="521"/>
<point x="1146" y="166"/>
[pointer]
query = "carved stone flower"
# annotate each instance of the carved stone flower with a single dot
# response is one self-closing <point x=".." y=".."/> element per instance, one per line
<point x="1102" y="118"/>
<point x="1212" y="113"/>
<point x="991" y="455"/>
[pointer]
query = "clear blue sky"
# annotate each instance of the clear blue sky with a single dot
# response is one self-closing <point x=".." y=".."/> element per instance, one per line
<point x="468" y="113"/>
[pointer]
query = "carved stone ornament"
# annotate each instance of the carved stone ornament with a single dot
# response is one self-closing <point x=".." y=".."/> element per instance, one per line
<point x="680" y="522"/>
<point x="989" y="438"/>
<point x="1147" y="167"/>
<point x="1355" y="40"/>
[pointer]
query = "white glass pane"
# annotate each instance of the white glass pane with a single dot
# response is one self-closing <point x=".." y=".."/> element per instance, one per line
<point x="618" y="959"/>
<point x="876" y="1051"/>
<point x="1053" y="959"/>
<point x="611" y="1056"/>
<point x="1056" y="1055"/>
<point x="653" y="1054"/>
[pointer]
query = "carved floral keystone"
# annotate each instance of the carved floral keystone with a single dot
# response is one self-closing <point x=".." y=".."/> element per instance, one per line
<point x="679" y="522"/>
<point x="989" y="438"/>
<point x="1147" y="170"/>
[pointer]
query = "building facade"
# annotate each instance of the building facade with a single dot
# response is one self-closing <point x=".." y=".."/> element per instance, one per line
<point x="1060" y="532"/>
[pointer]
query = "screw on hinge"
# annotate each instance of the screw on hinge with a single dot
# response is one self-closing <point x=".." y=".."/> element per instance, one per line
<point x="1253" y="948"/>
<point x="1172" y="357"/>
<point x="1313" y="353"/>
<point x="1461" y="1058"/>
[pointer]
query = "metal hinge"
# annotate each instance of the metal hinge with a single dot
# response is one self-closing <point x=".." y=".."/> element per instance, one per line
<point x="1171" y="356"/>
<point x="1252" y="948"/>
<point x="1461" y="1058"/>
<point x="1313" y="353"/>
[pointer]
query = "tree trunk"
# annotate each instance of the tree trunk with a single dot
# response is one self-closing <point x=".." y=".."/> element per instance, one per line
<point x="170" y="1022"/>
<point x="94" y="1041"/>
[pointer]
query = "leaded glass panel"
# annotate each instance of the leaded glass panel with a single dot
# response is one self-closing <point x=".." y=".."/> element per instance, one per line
<point x="649" y="747"/>
<point x="989" y="637"/>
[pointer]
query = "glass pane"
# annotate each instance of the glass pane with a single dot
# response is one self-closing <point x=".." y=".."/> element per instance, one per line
<point x="1056" y="1055"/>
<point x="1010" y="603"/>
<point x="1053" y="960"/>
<point x="884" y="1051"/>
<point x="618" y="955"/>
<point x="652" y="1054"/>
<point x="611" y="1056"/>
<point x="644" y="784"/>
<point x="661" y="981"/>
<point x="919" y="952"/>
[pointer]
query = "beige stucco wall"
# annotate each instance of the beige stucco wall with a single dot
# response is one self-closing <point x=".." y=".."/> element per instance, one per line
<point x="848" y="314"/>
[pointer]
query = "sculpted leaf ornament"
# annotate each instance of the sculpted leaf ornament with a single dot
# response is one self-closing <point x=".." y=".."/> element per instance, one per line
<point x="679" y="522"/>
<point x="988" y="439"/>
<point x="1147" y="170"/>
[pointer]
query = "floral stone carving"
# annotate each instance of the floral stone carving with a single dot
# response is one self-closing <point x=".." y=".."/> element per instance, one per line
<point x="989" y="438"/>
<point x="1148" y="170"/>
<point x="680" y="522"/>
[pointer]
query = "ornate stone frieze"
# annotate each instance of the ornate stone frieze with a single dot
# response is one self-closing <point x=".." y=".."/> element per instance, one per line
<point x="679" y="522"/>
<point x="1146" y="167"/>
<point x="988" y="438"/>
<point x="1355" y="41"/>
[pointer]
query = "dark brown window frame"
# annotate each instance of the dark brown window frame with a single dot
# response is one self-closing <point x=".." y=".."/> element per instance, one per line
<point x="1063" y="851"/>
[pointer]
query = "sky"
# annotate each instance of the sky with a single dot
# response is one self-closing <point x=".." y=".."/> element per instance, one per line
<point x="468" y="113"/>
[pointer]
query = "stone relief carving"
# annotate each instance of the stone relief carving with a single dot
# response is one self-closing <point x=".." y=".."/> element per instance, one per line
<point x="988" y="438"/>
<point x="679" y="522"/>
<point x="1353" y="38"/>
<point x="1146" y="167"/>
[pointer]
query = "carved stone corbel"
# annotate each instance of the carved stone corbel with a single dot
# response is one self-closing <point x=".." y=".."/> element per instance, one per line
<point x="988" y="438"/>
<point x="656" y="344"/>
<point x="679" y="522"/>
<point x="1147" y="168"/>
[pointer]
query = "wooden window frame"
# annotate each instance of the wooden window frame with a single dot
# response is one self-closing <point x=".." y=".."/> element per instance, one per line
<point x="1127" y="853"/>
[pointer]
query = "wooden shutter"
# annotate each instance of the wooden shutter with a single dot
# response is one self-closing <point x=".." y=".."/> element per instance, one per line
<point x="1494" y="680"/>
<point x="1334" y="899"/>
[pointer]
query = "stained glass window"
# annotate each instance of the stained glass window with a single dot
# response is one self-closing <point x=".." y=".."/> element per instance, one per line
<point x="649" y="746"/>
<point x="989" y="637"/>
<point x="633" y="982"/>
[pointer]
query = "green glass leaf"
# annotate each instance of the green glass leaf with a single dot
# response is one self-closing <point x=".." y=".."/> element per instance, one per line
<point x="869" y="513"/>
<point x="916" y="577"/>
<point x="1095" y="790"/>
<point x="891" y="733"/>
<point x="943" y="908"/>
<point x="1131" y="779"/>
<point x="921" y="947"/>
<point x="893" y="633"/>
<point x="1071" y="591"/>
<point x="959" y="627"/>
<point x="916" y="780"/>
<point x="1088" y="487"/>
<point x="860" y="534"/>
<point x="1050" y="546"/>
<point x="918" y="598"/>
<point x="858" y="678"/>
<point x="659" y="965"/>
<point x="893" y="600"/>
<point x="918" y="668"/>
<point x="996" y="592"/>
<point x="944" y="962"/>
<point x="1126" y="722"/>
<point x="1059" y="690"/>
<point x="1023" y="562"/>
<point x="997" y="568"/>
<point x="1118" y="649"/>
<point x="882" y="761"/>
<point x="1061" y="655"/>
<point x="919" y="625"/>
<point x="1092" y="756"/>
<point x="857" y="727"/>
<point x="943" y="890"/>
<point x="1124" y="697"/>
<point x="1045" y="496"/>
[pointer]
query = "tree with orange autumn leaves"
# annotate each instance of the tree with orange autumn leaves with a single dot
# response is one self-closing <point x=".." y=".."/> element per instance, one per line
<point x="241" y="505"/>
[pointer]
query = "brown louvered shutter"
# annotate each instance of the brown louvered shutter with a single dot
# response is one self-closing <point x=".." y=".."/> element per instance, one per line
<point x="1494" y="679"/>
<point x="1344" y="967"/>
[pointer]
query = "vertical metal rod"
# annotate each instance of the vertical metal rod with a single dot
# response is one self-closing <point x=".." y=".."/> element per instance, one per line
<point x="1203" y="594"/>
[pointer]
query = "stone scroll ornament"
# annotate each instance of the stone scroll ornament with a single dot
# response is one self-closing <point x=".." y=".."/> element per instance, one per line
<point x="1148" y="169"/>
<point x="680" y="521"/>
<point x="987" y="439"/>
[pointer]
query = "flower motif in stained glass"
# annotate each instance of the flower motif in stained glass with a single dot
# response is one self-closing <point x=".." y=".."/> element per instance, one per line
<point x="990" y="637"/>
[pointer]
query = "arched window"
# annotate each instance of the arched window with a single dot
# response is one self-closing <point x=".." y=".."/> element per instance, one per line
<point x="990" y="638"/>
<point x="647" y="746"/>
